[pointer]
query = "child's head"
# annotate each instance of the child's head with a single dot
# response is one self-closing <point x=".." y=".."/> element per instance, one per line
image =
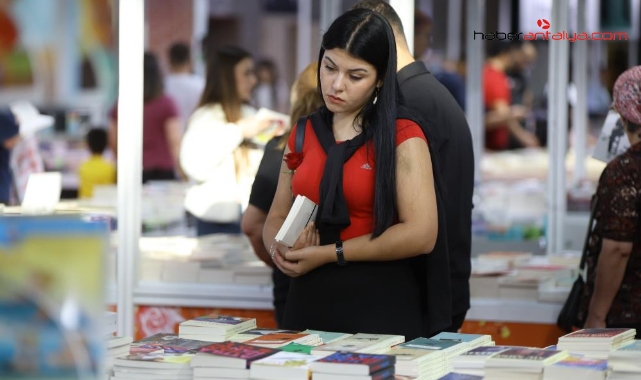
<point x="97" y="140"/>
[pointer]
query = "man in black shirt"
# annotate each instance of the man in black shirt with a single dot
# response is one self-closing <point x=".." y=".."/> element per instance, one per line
<point x="445" y="126"/>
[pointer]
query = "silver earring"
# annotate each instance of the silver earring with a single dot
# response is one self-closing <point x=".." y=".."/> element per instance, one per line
<point x="375" y="95"/>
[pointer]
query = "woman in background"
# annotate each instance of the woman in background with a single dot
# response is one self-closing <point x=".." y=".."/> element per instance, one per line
<point x="216" y="153"/>
<point x="305" y="99"/>
<point x="369" y="171"/>
<point x="611" y="297"/>
<point x="161" y="127"/>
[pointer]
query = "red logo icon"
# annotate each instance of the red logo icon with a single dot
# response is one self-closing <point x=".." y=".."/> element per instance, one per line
<point x="543" y="23"/>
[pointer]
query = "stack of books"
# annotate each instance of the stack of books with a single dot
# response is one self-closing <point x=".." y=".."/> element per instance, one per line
<point x="283" y="365"/>
<point x="153" y="366"/>
<point x="214" y="327"/>
<point x="161" y="356"/>
<point x="473" y="361"/>
<point x="596" y="343"/>
<point x="625" y="362"/>
<point x="521" y="363"/>
<point x="419" y="363"/>
<point x="576" y="367"/>
<point x="353" y="366"/>
<point x="363" y="343"/>
<point x="282" y="339"/>
<point x="470" y="340"/>
<point x="116" y="347"/>
<point x="227" y="360"/>
<point x="449" y="349"/>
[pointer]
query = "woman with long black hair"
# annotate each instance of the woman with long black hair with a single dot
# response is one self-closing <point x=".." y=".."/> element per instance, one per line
<point x="370" y="172"/>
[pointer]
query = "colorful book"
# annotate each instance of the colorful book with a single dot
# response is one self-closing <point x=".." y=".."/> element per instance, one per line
<point x="525" y="358"/>
<point x="283" y="365"/>
<point x="300" y="348"/>
<point x="460" y="376"/>
<point x="353" y="363"/>
<point x="384" y="374"/>
<point x="166" y="343"/>
<point x="215" y="324"/>
<point x="577" y="367"/>
<point x="230" y="355"/>
<point x="599" y="335"/>
<point x="485" y="351"/>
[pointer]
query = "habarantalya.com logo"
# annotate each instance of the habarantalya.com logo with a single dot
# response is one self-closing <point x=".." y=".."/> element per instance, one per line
<point x="564" y="35"/>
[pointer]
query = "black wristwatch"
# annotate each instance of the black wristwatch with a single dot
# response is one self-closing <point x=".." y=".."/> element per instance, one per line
<point x="339" y="254"/>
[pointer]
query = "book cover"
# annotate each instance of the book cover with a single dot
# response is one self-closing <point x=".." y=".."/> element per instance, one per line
<point x="634" y="346"/>
<point x="216" y="320"/>
<point x="300" y="348"/>
<point x="286" y="359"/>
<point x="486" y="350"/>
<point x="160" y="361"/>
<point x="51" y="297"/>
<point x="429" y="344"/>
<point x="168" y="343"/>
<point x="276" y="340"/>
<point x="237" y="350"/>
<point x="302" y="212"/>
<point x="527" y="354"/>
<point x="406" y="355"/>
<point x="599" y="333"/>
<point x="465" y="338"/>
<point x="353" y="363"/>
<point x="460" y="376"/>
<point x="583" y="363"/>
<point x="328" y="337"/>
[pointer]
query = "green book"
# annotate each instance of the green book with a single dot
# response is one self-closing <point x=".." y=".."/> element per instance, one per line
<point x="300" y="348"/>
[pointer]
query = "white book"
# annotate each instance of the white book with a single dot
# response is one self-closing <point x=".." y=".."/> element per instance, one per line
<point x="302" y="212"/>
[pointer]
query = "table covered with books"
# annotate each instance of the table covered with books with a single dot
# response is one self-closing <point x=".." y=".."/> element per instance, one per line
<point x="230" y="347"/>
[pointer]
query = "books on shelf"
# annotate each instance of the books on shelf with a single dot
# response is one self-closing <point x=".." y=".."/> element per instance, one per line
<point x="215" y="327"/>
<point x="364" y="343"/>
<point x="353" y="363"/>
<point x="575" y="367"/>
<point x="283" y="365"/>
<point x="417" y="362"/>
<point x="596" y="343"/>
<point x="302" y="212"/>
<point x="230" y="355"/>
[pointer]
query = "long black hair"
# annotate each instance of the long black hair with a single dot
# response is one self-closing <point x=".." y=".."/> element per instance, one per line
<point x="220" y="86"/>
<point x="366" y="35"/>
<point x="153" y="85"/>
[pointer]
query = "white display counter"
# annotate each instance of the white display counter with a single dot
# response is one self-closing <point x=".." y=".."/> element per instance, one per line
<point x="500" y="310"/>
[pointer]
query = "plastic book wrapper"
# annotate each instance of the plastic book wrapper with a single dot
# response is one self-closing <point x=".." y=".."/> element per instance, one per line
<point x="51" y="297"/>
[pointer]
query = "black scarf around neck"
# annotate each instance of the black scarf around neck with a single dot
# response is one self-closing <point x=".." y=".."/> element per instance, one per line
<point x="333" y="215"/>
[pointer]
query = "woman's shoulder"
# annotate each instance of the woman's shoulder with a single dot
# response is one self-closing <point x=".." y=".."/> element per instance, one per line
<point x="407" y="129"/>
